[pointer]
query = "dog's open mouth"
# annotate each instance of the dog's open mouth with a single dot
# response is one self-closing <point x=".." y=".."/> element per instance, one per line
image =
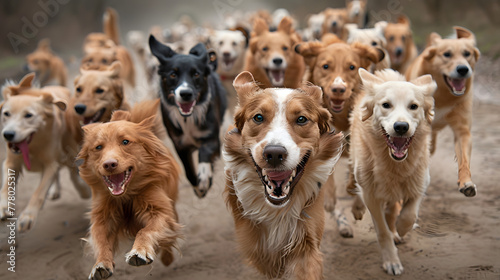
<point x="228" y="63"/>
<point x="22" y="147"/>
<point x="116" y="183"/>
<point x="186" y="108"/>
<point x="337" y="105"/>
<point x="94" y="118"/>
<point x="398" y="146"/>
<point x="457" y="86"/>
<point x="279" y="184"/>
<point x="276" y="76"/>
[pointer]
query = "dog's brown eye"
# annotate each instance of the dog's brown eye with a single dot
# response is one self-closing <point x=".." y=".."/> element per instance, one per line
<point x="196" y="75"/>
<point x="413" y="107"/>
<point x="98" y="147"/>
<point x="28" y="115"/>
<point x="265" y="49"/>
<point x="234" y="44"/>
<point x="7" y="114"/>
<point x="173" y="76"/>
<point x="466" y="53"/>
<point x="301" y="120"/>
<point x="258" y="118"/>
<point x="285" y="49"/>
<point x="447" y="54"/>
<point x="90" y="60"/>
<point x="99" y="90"/>
<point x="78" y="89"/>
<point x="386" y="105"/>
<point x="391" y="39"/>
<point x="125" y="142"/>
<point x="352" y="67"/>
<point x="374" y="43"/>
<point x="105" y="61"/>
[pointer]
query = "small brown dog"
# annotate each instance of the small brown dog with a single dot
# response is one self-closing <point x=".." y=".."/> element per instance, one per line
<point x="49" y="68"/>
<point x="400" y="45"/>
<point x="276" y="160"/>
<point x="270" y="56"/>
<point x="451" y="63"/>
<point x="134" y="182"/>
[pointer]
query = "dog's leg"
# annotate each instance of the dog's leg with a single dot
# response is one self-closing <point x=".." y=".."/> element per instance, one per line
<point x="28" y="216"/>
<point x="330" y="204"/>
<point x="433" y="141"/>
<point x="208" y="150"/>
<point x="10" y="176"/>
<point x="80" y="185"/>
<point x="310" y="264"/>
<point x="391" y="215"/>
<point x="408" y="216"/>
<point x="104" y="241"/>
<point x="358" y="208"/>
<point x="390" y="260"/>
<point x="55" y="189"/>
<point x="186" y="157"/>
<point x="460" y="124"/>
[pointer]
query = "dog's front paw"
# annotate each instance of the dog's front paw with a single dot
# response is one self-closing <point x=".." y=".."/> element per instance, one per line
<point x="26" y="221"/>
<point x="54" y="192"/>
<point x="139" y="257"/>
<point x="204" y="179"/>
<point x="100" y="271"/>
<point x="358" y="209"/>
<point x="469" y="189"/>
<point x="345" y="229"/>
<point x="393" y="267"/>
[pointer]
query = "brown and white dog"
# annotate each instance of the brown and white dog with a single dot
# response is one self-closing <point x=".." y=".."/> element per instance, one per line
<point x="389" y="150"/>
<point x="34" y="128"/>
<point x="276" y="160"/>
<point x="371" y="37"/>
<point x="270" y="56"/>
<point x="400" y="45"/>
<point x="134" y="181"/>
<point x="451" y="63"/>
<point x="49" y="68"/>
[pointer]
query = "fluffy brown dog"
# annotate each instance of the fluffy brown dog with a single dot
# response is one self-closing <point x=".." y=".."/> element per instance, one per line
<point x="277" y="159"/>
<point x="270" y="56"/>
<point x="389" y="150"/>
<point x="400" y="45"/>
<point x="134" y="181"/>
<point x="451" y="63"/>
<point x="49" y="68"/>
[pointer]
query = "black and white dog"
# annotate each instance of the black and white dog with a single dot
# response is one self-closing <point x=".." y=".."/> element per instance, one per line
<point x="193" y="106"/>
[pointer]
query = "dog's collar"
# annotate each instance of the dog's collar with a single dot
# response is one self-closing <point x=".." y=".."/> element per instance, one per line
<point x="225" y="77"/>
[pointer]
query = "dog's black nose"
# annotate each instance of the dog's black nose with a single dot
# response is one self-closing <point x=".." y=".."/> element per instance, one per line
<point x="334" y="24"/>
<point x="399" y="51"/>
<point x="80" y="108"/>
<point x="9" y="135"/>
<point x="110" y="164"/>
<point x="275" y="154"/>
<point x="462" y="70"/>
<point x="278" y="61"/>
<point x="401" y="127"/>
<point x="186" y="95"/>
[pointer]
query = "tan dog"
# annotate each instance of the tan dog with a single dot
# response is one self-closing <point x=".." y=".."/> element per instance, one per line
<point x="49" y="68"/>
<point x="389" y="152"/>
<point x="451" y="63"/>
<point x="276" y="160"/>
<point x="334" y="21"/>
<point x="270" y="56"/>
<point x="34" y="128"/>
<point x="98" y="94"/>
<point x="371" y="37"/>
<point x="134" y="181"/>
<point x="400" y="45"/>
<point x="357" y="12"/>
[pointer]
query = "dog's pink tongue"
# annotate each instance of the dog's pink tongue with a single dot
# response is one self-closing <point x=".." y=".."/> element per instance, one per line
<point x="457" y="84"/>
<point x="117" y="180"/>
<point x="399" y="142"/>
<point x="277" y="75"/>
<point x="25" y="150"/>
<point x="186" y="107"/>
<point x="279" y="175"/>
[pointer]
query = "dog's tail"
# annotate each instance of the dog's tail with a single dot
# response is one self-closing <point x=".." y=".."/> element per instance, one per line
<point x="142" y="111"/>
<point x="110" y="22"/>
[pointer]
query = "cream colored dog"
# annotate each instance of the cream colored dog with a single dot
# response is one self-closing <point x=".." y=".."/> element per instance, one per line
<point x="389" y="153"/>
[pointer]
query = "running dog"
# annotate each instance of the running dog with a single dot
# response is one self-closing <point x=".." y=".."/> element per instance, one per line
<point x="49" y="68"/>
<point x="390" y="156"/>
<point x="193" y="105"/>
<point x="34" y="128"/>
<point x="276" y="161"/>
<point x="400" y="45"/>
<point x="451" y="63"/>
<point x="134" y="181"/>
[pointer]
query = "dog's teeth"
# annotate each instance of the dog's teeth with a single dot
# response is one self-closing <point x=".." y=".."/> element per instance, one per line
<point x="291" y="179"/>
<point x="264" y="172"/>
<point x="294" y="172"/>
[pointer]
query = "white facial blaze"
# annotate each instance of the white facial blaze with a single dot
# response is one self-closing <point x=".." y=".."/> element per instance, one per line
<point x="177" y="91"/>
<point x="339" y="82"/>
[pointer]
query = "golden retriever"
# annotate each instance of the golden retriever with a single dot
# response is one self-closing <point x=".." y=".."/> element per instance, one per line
<point x="34" y="128"/>
<point x="389" y="152"/>
<point x="270" y="56"/>
<point x="400" y="45"/>
<point x="49" y="68"/>
<point x="451" y="63"/>
<point x="134" y="182"/>
<point x="276" y="160"/>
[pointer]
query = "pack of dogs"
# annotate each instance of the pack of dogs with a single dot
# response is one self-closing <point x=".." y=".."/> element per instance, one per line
<point x="299" y="99"/>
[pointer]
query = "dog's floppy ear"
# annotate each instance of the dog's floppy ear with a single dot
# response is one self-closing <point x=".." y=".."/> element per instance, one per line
<point x="212" y="59"/>
<point x="49" y="99"/>
<point x="309" y="51"/>
<point x="316" y="93"/>
<point x="428" y="86"/>
<point x="286" y="25"/>
<point x="27" y="80"/>
<point x="200" y="51"/>
<point x="465" y="33"/>
<point x="429" y="52"/>
<point x="245" y="86"/>
<point x="148" y="123"/>
<point x="380" y="26"/>
<point x="433" y="39"/>
<point x="403" y="19"/>
<point x="368" y="54"/>
<point x="120" y="115"/>
<point x="161" y="51"/>
<point x="330" y="38"/>
<point x="114" y="69"/>
<point x="369" y="80"/>
<point x="259" y="27"/>
<point x="245" y="33"/>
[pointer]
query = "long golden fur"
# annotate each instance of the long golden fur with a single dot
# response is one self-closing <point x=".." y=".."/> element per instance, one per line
<point x="279" y="236"/>
<point x="389" y="154"/>
<point x="451" y="63"/>
<point x="134" y="182"/>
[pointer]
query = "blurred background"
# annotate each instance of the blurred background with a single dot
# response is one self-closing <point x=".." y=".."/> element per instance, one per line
<point x="66" y="22"/>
